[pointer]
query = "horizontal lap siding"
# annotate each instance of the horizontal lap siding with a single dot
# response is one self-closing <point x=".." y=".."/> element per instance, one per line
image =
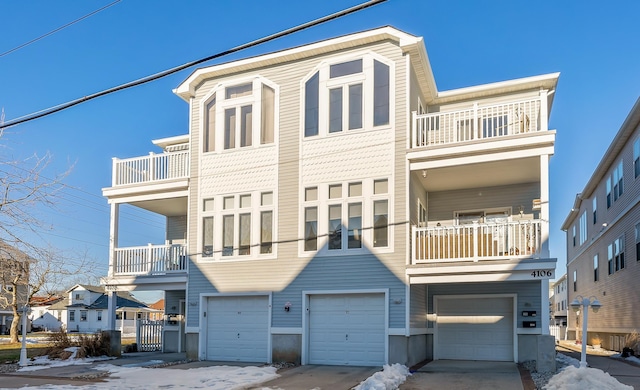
<point x="288" y="270"/>
<point x="417" y="317"/>
<point x="176" y="230"/>
<point x="527" y="296"/>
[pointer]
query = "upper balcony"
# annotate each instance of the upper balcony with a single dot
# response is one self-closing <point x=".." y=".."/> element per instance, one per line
<point x="154" y="168"/>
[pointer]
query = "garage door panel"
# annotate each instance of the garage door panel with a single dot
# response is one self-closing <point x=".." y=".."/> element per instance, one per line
<point x="347" y="329"/>
<point x="237" y="328"/>
<point x="475" y="328"/>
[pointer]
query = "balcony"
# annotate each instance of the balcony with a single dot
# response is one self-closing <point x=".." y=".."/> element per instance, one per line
<point x="150" y="169"/>
<point x="479" y="123"/>
<point x="150" y="260"/>
<point x="478" y="241"/>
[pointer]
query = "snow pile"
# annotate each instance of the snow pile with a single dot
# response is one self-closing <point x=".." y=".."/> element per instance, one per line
<point x="390" y="378"/>
<point x="42" y="362"/>
<point x="572" y="378"/>
<point x="565" y="360"/>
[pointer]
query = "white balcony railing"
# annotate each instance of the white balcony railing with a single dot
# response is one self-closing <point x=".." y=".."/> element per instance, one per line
<point x="490" y="241"/>
<point x="479" y="122"/>
<point x="154" y="167"/>
<point x="150" y="260"/>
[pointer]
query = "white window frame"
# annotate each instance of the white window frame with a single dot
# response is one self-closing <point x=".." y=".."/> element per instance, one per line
<point x="326" y="83"/>
<point x="219" y="212"/>
<point x="255" y="100"/>
<point x="583" y="227"/>
<point x="323" y="202"/>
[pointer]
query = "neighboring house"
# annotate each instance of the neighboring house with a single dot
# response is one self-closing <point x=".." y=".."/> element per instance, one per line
<point x="84" y="310"/>
<point x="603" y="241"/>
<point x="158" y="315"/>
<point x="41" y="317"/>
<point x="330" y="206"/>
<point x="14" y="277"/>
<point x="558" y="302"/>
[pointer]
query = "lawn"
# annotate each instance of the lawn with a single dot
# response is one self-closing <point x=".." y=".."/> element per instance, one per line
<point x="10" y="353"/>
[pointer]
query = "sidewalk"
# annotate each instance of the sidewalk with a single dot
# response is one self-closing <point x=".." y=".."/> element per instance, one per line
<point x="623" y="370"/>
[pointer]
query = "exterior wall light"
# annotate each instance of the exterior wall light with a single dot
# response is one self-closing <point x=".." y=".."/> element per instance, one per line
<point x="287" y="306"/>
<point x="576" y="304"/>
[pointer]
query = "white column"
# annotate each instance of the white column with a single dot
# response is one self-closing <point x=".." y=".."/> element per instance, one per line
<point x="544" y="304"/>
<point x="111" y="310"/>
<point x="113" y="236"/>
<point x="544" y="206"/>
<point x="544" y="110"/>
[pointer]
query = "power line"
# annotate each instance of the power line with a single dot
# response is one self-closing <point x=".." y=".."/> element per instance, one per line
<point x="168" y="72"/>
<point x="57" y="29"/>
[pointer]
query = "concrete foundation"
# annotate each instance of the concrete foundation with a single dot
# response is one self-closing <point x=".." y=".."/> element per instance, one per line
<point x="115" y="339"/>
<point x="546" y="360"/>
<point x="286" y="348"/>
<point x="191" y="346"/>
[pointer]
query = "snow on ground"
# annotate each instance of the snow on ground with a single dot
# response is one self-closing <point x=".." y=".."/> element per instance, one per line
<point x="214" y="378"/>
<point x="572" y="378"/>
<point x="30" y="340"/>
<point x="41" y="362"/>
<point x="390" y="378"/>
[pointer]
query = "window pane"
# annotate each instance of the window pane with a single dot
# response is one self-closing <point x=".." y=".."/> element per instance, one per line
<point x="266" y="199"/>
<point x="268" y="115"/>
<point x="335" y="227"/>
<point x="207" y="205"/>
<point x="244" y="247"/>
<point x="310" y="228"/>
<point x="207" y="237"/>
<point x="210" y="121"/>
<point x="355" y="225"/>
<point x="355" y="189"/>
<point x="246" y="127"/>
<point x="245" y="201"/>
<point x="380" y="186"/>
<point x="335" y="110"/>
<point x="380" y="94"/>
<point x="311" y="105"/>
<point x="227" y="235"/>
<point x="355" y="106"/>
<point x="228" y="203"/>
<point x="311" y="193"/>
<point x="345" y="68"/>
<point x="266" y="231"/>
<point x="380" y="223"/>
<point x="335" y="191"/>
<point x="238" y="91"/>
<point x="230" y="128"/>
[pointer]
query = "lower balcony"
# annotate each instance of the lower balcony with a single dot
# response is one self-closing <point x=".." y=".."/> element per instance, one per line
<point x="477" y="241"/>
<point x="150" y="260"/>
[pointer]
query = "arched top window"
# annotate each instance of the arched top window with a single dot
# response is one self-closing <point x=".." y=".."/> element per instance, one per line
<point x="352" y="94"/>
<point x="239" y="115"/>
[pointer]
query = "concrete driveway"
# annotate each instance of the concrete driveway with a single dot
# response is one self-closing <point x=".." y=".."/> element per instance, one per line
<point x="320" y="377"/>
<point x="465" y="375"/>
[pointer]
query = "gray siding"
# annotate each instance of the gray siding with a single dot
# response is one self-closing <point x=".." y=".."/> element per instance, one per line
<point x="172" y="300"/>
<point x="177" y="230"/>
<point x="442" y="205"/>
<point x="527" y="296"/>
<point x="418" y="306"/>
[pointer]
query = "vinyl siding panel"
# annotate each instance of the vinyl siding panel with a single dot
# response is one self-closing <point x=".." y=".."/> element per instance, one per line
<point x="442" y="205"/>
<point x="177" y="230"/>
<point x="527" y="296"/>
<point x="418" y="306"/>
<point x="281" y="167"/>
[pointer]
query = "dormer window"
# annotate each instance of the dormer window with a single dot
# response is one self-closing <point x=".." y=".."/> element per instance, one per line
<point x="239" y="115"/>
<point x="346" y="96"/>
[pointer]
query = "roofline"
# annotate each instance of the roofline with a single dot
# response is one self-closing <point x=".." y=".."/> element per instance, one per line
<point x="627" y="128"/>
<point x="164" y="142"/>
<point x="186" y="89"/>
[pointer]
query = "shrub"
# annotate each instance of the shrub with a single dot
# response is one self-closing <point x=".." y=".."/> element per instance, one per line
<point x="631" y="340"/>
<point x="98" y="344"/>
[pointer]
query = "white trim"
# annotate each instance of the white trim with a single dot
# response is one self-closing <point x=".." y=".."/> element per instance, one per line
<point x="514" y="325"/>
<point x="202" y="330"/>
<point x="191" y="329"/>
<point x="306" y="294"/>
<point x="397" y="332"/>
<point x="278" y="330"/>
<point x="529" y="330"/>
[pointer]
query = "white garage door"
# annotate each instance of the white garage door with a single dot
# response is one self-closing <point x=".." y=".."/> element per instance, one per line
<point x="237" y="328"/>
<point x="347" y="329"/>
<point x="475" y="329"/>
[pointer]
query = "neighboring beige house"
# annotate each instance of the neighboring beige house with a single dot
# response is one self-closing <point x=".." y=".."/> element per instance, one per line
<point x="328" y="205"/>
<point x="558" y="302"/>
<point x="14" y="276"/>
<point x="603" y="240"/>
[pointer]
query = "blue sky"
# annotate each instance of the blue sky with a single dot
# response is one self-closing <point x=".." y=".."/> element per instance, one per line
<point x="595" y="48"/>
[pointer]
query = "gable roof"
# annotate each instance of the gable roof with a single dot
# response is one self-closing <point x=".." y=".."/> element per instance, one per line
<point x="124" y="300"/>
<point x="88" y="287"/>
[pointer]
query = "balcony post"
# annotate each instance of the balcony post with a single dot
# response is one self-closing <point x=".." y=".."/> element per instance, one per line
<point x="476" y="237"/>
<point x="475" y="126"/>
<point x="544" y="206"/>
<point x="114" y="171"/>
<point x="544" y="113"/>
<point x="150" y="258"/>
<point x="113" y="237"/>
<point x="152" y="167"/>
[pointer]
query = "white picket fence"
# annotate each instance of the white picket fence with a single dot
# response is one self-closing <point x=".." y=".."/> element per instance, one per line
<point x="559" y="332"/>
<point x="149" y="335"/>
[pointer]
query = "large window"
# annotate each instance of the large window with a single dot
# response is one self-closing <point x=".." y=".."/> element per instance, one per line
<point x="353" y="215"/>
<point x="595" y="209"/>
<point x="72" y="315"/>
<point x="596" y="274"/>
<point x="583" y="227"/>
<point x="615" y="255"/>
<point x="618" y="181"/>
<point x="237" y="226"/>
<point x="239" y="116"/>
<point x="575" y="280"/>
<point x="83" y="315"/>
<point x="357" y="95"/>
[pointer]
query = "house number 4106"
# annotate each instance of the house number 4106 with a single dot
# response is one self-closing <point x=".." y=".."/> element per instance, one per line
<point x="541" y="273"/>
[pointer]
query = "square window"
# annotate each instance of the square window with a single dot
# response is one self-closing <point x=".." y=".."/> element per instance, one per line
<point x="208" y="205"/>
<point x="335" y="191"/>
<point x="228" y="203"/>
<point x="266" y="199"/>
<point x="311" y="193"/>
<point x="245" y="201"/>
<point x="380" y="186"/>
<point x="355" y="189"/>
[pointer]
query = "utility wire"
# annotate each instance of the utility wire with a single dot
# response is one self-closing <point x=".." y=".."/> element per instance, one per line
<point x="168" y="72"/>
<point x="57" y="29"/>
